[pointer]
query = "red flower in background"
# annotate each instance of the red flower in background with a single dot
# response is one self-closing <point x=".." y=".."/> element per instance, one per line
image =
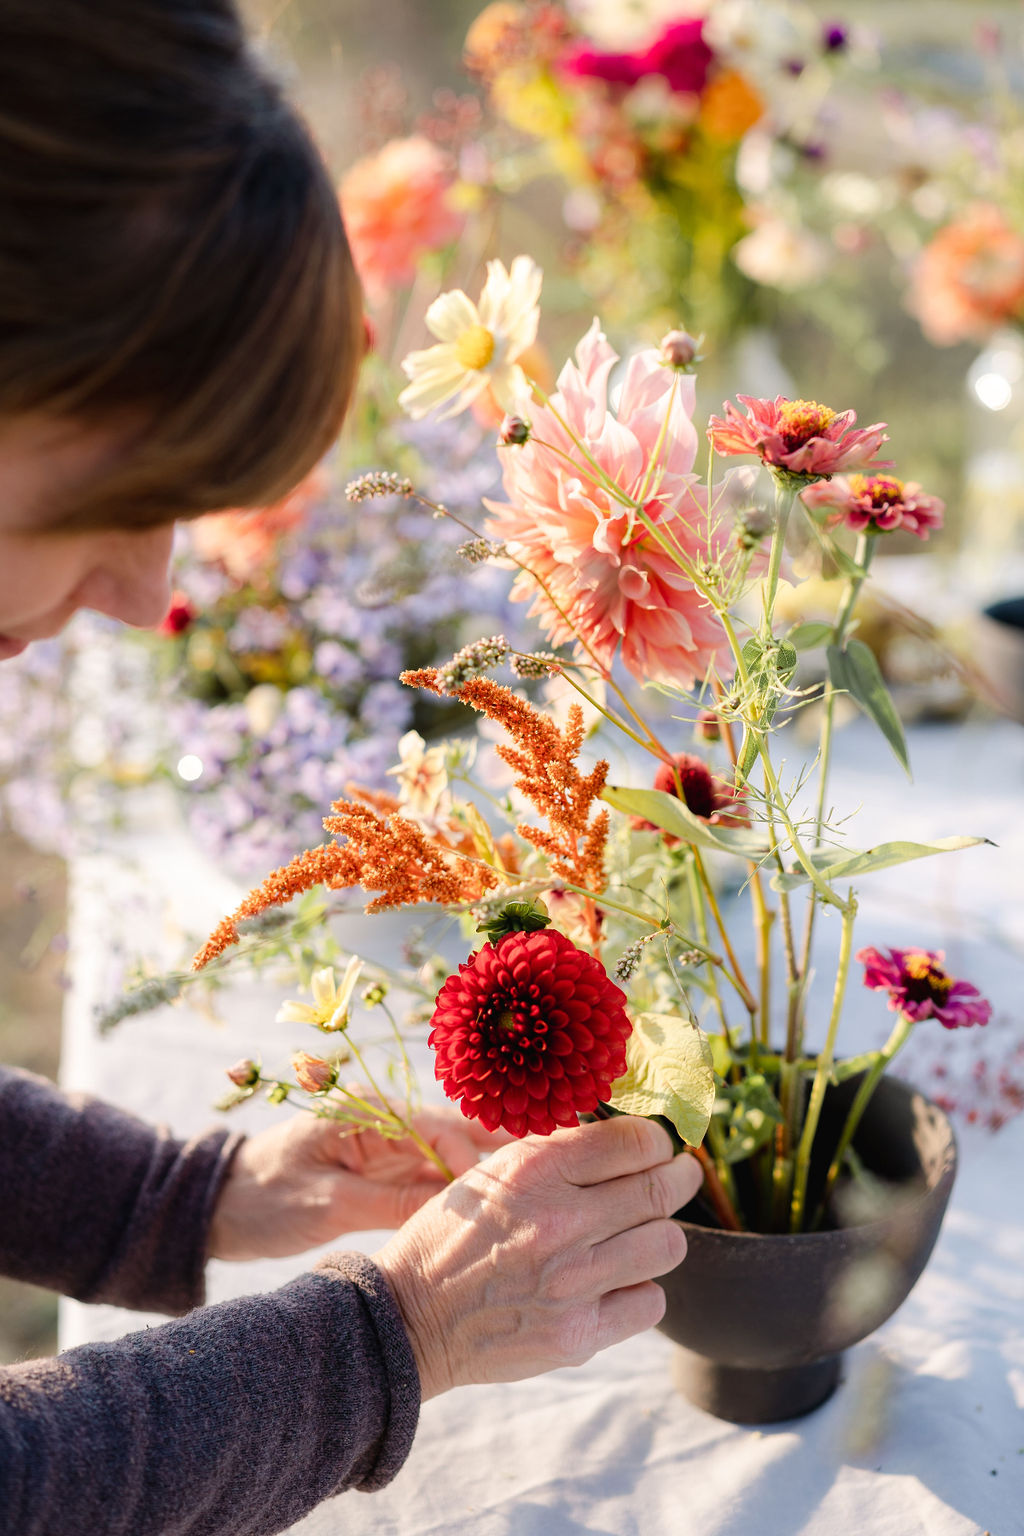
<point x="178" y="616"/>
<point x="679" y="54"/>
<point x="707" y="797"/>
<point x="529" y="1034"/>
<point x="920" y="988"/>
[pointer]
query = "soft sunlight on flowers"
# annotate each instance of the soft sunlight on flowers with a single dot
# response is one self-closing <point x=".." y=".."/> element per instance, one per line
<point x="798" y="436"/>
<point x="396" y="209"/>
<point x="330" y="1006"/>
<point x="422" y="777"/>
<point x="877" y="501"/>
<point x="920" y="988"/>
<point x="608" y="580"/>
<point x="480" y="345"/>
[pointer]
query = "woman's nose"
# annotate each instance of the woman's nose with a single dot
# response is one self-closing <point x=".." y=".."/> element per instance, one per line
<point x="131" y="581"/>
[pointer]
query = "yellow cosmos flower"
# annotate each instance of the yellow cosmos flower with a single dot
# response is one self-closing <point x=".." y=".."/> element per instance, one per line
<point x="479" y="345"/>
<point x="329" y="1008"/>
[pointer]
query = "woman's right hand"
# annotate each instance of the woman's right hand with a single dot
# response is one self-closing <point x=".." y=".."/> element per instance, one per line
<point x="541" y="1255"/>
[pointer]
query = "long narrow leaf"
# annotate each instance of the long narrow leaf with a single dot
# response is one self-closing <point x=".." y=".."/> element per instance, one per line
<point x="856" y="671"/>
<point x="669" y="813"/>
<point x="884" y="856"/>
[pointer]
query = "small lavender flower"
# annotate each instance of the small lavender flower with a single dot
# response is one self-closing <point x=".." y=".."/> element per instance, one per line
<point x="473" y="661"/>
<point x="536" y="664"/>
<point x="476" y="551"/>
<point x="378" y="482"/>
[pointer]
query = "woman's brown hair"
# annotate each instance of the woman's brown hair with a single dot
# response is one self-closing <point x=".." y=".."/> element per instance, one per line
<point x="172" y="258"/>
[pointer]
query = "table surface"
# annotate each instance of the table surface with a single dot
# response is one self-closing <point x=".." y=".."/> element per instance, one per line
<point x="925" y="1437"/>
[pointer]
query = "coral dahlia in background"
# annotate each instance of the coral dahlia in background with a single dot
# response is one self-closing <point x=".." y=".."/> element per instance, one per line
<point x="920" y="988"/>
<point x="609" y="581"/>
<point x="396" y="209"/>
<point x="529" y="1034"/>
<point x="970" y="279"/>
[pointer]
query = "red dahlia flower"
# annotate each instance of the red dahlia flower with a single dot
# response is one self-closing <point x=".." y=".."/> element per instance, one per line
<point x="530" y="1033"/>
<point x="798" y="436"/>
<point x="877" y="501"/>
<point x="919" y="988"/>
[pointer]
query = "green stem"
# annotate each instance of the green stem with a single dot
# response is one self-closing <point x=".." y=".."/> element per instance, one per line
<point x="901" y="1033"/>
<point x="389" y="1114"/>
<point x="785" y="496"/>
<point x="736" y="977"/>
<point x="823" y="1071"/>
<point x="697" y="900"/>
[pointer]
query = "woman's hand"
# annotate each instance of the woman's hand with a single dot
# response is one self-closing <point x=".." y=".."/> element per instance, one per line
<point x="543" y="1254"/>
<point x="308" y="1180"/>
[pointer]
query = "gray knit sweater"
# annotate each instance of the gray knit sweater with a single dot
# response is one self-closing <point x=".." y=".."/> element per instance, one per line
<point x="236" y="1419"/>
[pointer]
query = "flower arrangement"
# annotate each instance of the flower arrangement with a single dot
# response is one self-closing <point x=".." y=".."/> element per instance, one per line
<point x="607" y="976"/>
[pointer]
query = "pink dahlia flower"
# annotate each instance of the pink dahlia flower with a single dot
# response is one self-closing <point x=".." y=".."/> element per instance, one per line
<point x="799" y="436"/>
<point x="396" y="209"/>
<point x="678" y="54"/>
<point x="612" y="580"/>
<point x="920" y="988"/>
<point x="877" y="501"/>
<point x="529" y="1034"/>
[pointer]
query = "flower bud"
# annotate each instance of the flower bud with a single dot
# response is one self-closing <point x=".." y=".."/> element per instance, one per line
<point x="708" y="727"/>
<point x="514" y="432"/>
<point x="244" y="1073"/>
<point x="277" y="1094"/>
<point x="313" y="1073"/>
<point x="679" y="349"/>
<point x="752" y="525"/>
<point x="375" y="993"/>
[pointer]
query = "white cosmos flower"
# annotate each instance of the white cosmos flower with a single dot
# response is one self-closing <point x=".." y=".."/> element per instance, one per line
<point x="422" y="777"/>
<point x="330" y="1005"/>
<point x="478" y="344"/>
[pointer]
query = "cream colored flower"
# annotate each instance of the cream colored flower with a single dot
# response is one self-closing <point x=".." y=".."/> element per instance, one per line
<point x="422" y="776"/>
<point x="329" y="1008"/>
<point x="478" y="344"/>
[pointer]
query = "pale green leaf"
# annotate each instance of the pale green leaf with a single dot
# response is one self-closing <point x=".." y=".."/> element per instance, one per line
<point x="668" y="1072"/>
<point x="804" y="637"/>
<point x="883" y="856"/>
<point x="669" y="813"/>
<point x="856" y="671"/>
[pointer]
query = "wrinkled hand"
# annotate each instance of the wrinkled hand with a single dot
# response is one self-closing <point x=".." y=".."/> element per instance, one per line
<point x="543" y="1254"/>
<point x="306" y="1181"/>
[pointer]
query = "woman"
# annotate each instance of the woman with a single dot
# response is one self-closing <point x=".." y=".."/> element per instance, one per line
<point x="180" y="329"/>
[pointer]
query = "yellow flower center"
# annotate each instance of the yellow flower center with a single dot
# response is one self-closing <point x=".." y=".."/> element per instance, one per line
<point x="800" y="420"/>
<point x="882" y="490"/>
<point x="475" y="347"/>
<point x="926" y="978"/>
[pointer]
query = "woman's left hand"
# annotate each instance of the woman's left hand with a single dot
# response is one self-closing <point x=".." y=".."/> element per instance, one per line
<point x="308" y="1180"/>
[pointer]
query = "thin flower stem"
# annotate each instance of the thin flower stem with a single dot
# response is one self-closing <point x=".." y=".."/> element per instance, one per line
<point x="901" y="1033"/>
<point x="737" y="978"/>
<point x="697" y="900"/>
<point x="723" y="1206"/>
<point x="785" y="496"/>
<point x="823" y="1071"/>
<point x="863" y="554"/>
<point x="400" y="1120"/>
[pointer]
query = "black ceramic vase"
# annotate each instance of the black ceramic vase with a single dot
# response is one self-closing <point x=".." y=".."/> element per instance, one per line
<point x="760" y="1321"/>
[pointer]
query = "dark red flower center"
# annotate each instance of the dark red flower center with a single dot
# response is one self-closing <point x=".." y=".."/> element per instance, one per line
<point x="882" y="491"/>
<point x="924" y="981"/>
<point x="511" y="1029"/>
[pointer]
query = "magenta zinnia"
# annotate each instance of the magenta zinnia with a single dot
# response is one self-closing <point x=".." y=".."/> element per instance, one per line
<point x="920" y="988"/>
<point x="877" y="501"/>
<point x="798" y="436"/>
<point x="529" y="1033"/>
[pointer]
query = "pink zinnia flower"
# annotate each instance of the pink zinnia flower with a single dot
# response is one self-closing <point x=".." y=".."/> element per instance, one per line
<point x="530" y="1033"/>
<point x="395" y="206"/>
<point x="712" y="799"/>
<point x="679" y="54"/>
<point x="877" y="501"/>
<point x="798" y="436"/>
<point x="612" y="580"/>
<point x="920" y="988"/>
<point x="970" y="278"/>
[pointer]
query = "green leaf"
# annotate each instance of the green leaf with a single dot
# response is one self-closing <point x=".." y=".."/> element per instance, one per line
<point x="804" y="637"/>
<point x="668" y="812"/>
<point x="785" y="660"/>
<point x="747" y="758"/>
<point x="882" y="856"/>
<point x="856" y="671"/>
<point x="668" y="1072"/>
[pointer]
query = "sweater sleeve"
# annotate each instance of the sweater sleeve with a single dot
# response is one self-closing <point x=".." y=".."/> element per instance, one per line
<point x="99" y="1205"/>
<point x="233" y="1421"/>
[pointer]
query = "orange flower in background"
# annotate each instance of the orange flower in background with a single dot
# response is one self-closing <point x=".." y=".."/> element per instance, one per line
<point x="729" y="106"/>
<point x="244" y="542"/>
<point x="970" y="279"/>
<point x="396" y="208"/>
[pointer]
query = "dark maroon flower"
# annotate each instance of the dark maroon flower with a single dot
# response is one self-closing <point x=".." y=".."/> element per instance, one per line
<point x="178" y="616"/>
<point x="529" y="1034"/>
<point x="709" y="798"/>
<point x="920" y="988"/>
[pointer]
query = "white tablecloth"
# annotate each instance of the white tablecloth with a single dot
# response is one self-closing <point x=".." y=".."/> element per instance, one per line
<point x="926" y="1435"/>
